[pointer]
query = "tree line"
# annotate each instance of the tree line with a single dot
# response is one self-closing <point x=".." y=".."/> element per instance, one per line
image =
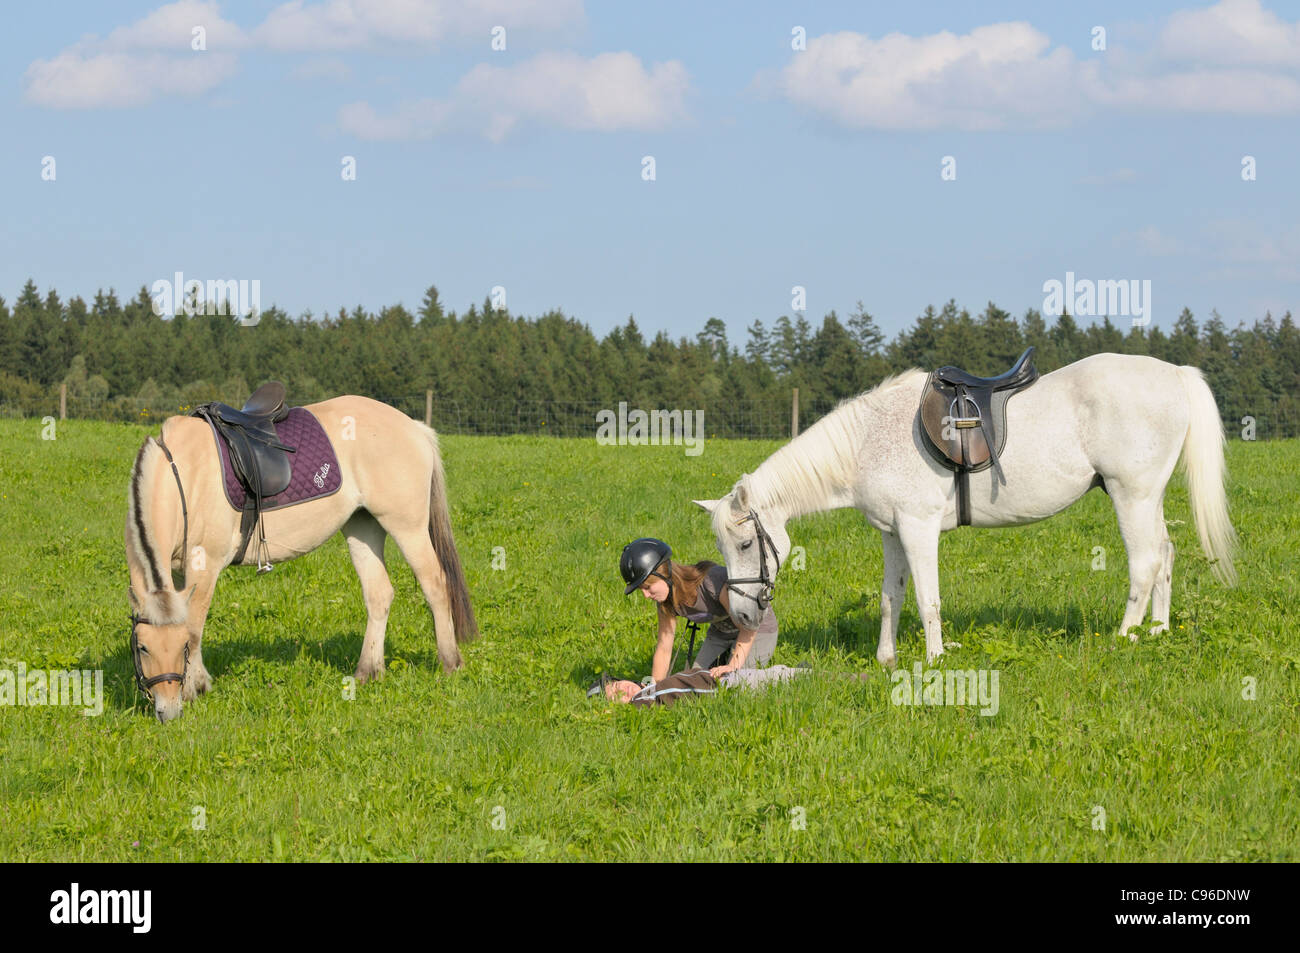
<point x="121" y="360"/>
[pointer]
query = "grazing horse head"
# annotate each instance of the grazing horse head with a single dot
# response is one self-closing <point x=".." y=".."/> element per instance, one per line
<point x="160" y="648"/>
<point x="753" y="542"/>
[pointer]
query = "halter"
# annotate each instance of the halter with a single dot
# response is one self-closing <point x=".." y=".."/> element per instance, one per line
<point x="764" y="597"/>
<point x="146" y="684"/>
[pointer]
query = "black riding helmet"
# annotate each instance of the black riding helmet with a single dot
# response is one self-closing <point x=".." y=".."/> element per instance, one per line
<point x="640" y="559"/>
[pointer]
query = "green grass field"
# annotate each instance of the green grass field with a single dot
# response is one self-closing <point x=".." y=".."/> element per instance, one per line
<point x="507" y="760"/>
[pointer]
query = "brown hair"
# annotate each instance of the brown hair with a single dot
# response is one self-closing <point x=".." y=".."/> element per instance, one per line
<point x="685" y="586"/>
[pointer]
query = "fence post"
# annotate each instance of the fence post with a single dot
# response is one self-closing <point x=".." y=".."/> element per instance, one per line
<point x="63" y="401"/>
<point x="794" y="415"/>
<point x="428" y="408"/>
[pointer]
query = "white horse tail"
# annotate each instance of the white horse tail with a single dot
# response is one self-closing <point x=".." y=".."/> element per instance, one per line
<point x="444" y="545"/>
<point x="1204" y="466"/>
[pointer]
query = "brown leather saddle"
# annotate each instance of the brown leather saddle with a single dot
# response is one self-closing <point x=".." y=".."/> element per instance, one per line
<point x="964" y="421"/>
<point x="260" y="461"/>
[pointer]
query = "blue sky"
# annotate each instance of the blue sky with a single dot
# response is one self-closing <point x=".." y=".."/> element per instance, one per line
<point x="775" y="167"/>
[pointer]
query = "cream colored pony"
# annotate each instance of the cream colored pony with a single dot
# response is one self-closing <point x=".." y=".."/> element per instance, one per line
<point x="393" y="485"/>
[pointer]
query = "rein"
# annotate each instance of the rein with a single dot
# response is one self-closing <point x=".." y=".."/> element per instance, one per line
<point x="146" y="684"/>
<point x="768" y="583"/>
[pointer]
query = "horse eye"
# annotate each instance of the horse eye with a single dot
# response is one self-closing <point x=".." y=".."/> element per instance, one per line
<point x="746" y="544"/>
<point x="143" y="650"/>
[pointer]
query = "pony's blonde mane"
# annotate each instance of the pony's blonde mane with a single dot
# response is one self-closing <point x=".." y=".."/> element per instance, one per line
<point x="159" y="603"/>
<point x="823" y="460"/>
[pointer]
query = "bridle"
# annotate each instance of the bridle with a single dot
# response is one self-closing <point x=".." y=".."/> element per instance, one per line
<point x="146" y="684"/>
<point x="764" y="597"/>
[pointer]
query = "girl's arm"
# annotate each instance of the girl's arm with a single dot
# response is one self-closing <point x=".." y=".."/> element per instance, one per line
<point x="664" y="648"/>
<point x="744" y="643"/>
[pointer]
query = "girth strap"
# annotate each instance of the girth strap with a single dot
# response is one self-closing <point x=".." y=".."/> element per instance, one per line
<point x="963" y="399"/>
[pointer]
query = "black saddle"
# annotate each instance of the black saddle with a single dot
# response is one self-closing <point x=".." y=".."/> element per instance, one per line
<point x="265" y="407"/>
<point x="1021" y="374"/>
<point x="261" y="462"/>
<point x="964" y="421"/>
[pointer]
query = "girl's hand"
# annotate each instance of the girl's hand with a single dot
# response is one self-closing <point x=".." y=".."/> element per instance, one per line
<point x="720" y="670"/>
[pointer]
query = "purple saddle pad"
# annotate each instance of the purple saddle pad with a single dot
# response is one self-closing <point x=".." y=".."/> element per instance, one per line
<point x="315" y="467"/>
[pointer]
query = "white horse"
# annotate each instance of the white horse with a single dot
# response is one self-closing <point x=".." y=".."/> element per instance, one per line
<point x="1122" y="417"/>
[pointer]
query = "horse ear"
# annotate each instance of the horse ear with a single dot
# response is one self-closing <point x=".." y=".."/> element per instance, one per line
<point x="741" y="497"/>
<point x="707" y="505"/>
<point x="190" y="595"/>
<point x="130" y="596"/>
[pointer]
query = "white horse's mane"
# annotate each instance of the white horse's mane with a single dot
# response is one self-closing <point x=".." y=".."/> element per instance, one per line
<point x="822" y="460"/>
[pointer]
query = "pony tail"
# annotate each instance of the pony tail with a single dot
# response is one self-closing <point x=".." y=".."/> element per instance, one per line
<point x="444" y="546"/>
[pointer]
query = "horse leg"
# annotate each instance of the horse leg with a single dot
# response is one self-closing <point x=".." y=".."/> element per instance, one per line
<point x="1143" y="529"/>
<point x="1163" y="593"/>
<point x="417" y="547"/>
<point x="920" y="542"/>
<point x="893" y="588"/>
<point x="197" y="679"/>
<point x="366" y="545"/>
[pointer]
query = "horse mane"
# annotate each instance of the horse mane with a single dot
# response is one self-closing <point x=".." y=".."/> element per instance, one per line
<point x="802" y="475"/>
<point x="159" y="603"/>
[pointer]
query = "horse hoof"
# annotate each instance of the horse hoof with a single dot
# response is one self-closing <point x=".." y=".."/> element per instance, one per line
<point x="367" y="675"/>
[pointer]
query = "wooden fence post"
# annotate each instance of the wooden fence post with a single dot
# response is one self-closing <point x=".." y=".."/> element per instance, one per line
<point x="428" y="408"/>
<point x="794" y="415"/>
<point x="63" y="401"/>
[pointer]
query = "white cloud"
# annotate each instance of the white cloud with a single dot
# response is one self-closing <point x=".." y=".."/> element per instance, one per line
<point x="358" y="24"/>
<point x="608" y="92"/>
<point x="1234" y="57"/>
<point x="1232" y="32"/>
<point x="982" y="80"/>
<point x="152" y="57"/>
<point x="171" y="27"/>
<point x="136" y="64"/>
<point x="76" y="80"/>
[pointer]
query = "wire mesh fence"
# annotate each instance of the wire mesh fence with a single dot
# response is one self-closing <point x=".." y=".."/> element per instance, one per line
<point x="744" y="419"/>
<point x="756" y="419"/>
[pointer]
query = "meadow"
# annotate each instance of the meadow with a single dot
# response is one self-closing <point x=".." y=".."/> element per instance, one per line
<point x="1183" y="746"/>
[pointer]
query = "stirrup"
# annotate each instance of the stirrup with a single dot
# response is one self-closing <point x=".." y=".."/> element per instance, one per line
<point x="964" y="423"/>
<point x="263" y="551"/>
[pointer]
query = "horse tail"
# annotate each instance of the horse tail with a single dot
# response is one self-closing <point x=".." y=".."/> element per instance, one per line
<point x="1203" y="463"/>
<point x="444" y="545"/>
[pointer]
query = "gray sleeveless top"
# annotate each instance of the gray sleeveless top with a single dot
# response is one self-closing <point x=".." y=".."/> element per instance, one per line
<point x="709" y="610"/>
